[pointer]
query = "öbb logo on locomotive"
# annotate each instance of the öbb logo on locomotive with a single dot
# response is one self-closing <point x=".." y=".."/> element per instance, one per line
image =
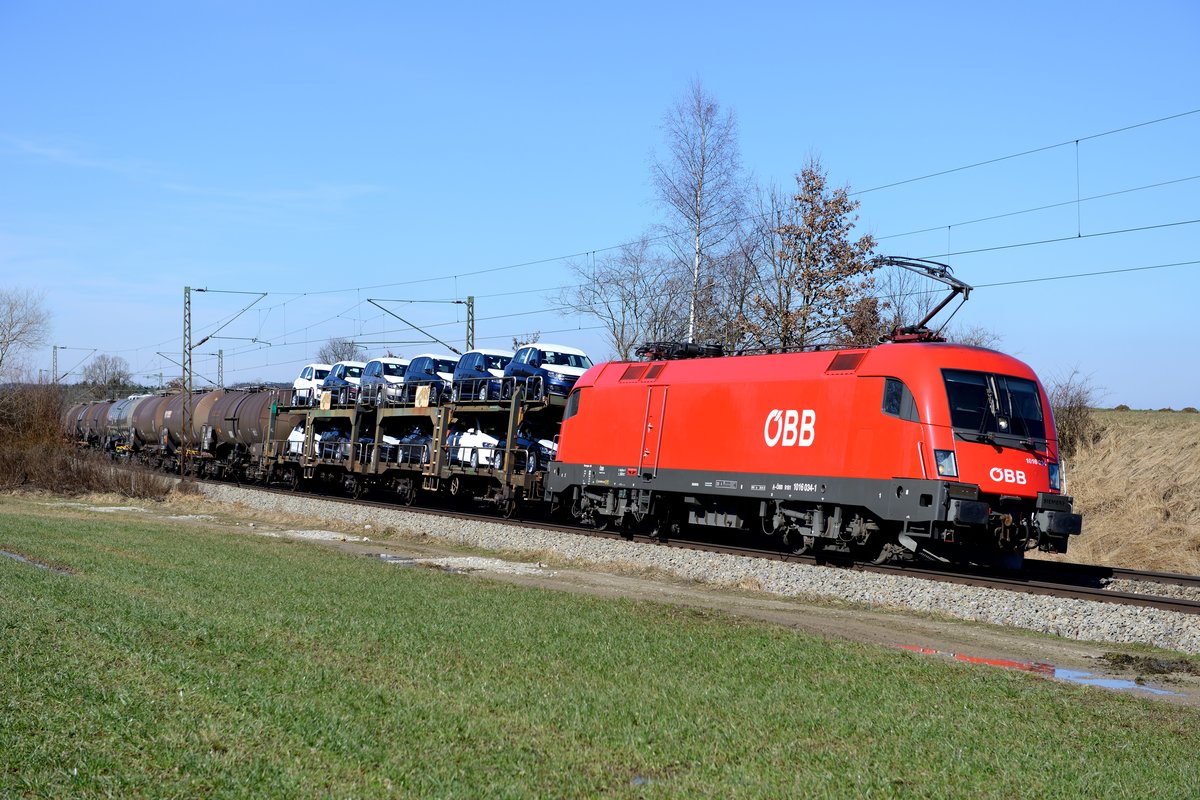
<point x="1006" y="475"/>
<point x="790" y="428"/>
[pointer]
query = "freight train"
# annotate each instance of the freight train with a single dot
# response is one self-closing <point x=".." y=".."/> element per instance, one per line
<point x="903" y="450"/>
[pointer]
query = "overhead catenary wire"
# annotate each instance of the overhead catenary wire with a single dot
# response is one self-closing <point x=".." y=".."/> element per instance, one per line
<point x="591" y="253"/>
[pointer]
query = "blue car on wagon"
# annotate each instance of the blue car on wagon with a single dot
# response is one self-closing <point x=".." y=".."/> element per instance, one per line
<point x="547" y="368"/>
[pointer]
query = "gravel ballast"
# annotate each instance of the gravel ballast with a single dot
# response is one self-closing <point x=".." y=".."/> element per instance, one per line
<point x="1075" y="619"/>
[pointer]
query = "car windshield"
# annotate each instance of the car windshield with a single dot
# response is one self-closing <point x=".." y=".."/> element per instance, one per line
<point x="354" y="372"/>
<point x="321" y="374"/>
<point x="498" y="362"/>
<point x="1000" y="405"/>
<point x="395" y="370"/>
<point x="550" y="357"/>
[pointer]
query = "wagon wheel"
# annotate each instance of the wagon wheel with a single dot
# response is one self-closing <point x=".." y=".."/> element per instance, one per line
<point x="408" y="494"/>
<point x="456" y="487"/>
<point x="509" y="507"/>
<point x="291" y="480"/>
<point x="358" y="489"/>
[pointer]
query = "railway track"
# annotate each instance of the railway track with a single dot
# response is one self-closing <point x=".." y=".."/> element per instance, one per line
<point x="1039" y="577"/>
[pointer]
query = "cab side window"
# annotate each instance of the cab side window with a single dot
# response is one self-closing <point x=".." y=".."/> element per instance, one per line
<point x="572" y="404"/>
<point x="898" y="400"/>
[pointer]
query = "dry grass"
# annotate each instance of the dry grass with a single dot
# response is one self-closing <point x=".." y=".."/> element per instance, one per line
<point x="1138" y="488"/>
<point x="35" y="457"/>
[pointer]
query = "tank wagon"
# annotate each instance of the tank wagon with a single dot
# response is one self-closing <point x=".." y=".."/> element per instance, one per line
<point x="72" y="421"/>
<point x="93" y="423"/>
<point x="933" y="448"/>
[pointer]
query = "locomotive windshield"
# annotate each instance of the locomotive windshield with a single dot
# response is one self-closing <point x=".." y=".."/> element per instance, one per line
<point x="987" y="405"/>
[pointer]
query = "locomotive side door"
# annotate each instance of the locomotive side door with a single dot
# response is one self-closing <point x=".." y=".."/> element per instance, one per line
<point x="656" y="406"/>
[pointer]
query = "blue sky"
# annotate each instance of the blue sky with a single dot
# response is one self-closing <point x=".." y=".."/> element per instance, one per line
<point x="327" y="153"/>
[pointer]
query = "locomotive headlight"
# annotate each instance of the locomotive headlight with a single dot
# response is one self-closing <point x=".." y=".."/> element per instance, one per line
<point x="947" y="465"/>
<point x="1055" y="476"/>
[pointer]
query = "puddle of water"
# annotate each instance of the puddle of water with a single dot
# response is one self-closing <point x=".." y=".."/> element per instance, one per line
<point x="1049" y="670"/>
<point x="32" y="563"/>
<point x="1086" y="679"/>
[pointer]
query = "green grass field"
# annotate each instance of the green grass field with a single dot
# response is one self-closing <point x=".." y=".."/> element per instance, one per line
<point x="185" y="663"/>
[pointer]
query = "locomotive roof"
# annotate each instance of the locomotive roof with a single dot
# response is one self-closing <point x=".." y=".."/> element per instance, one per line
<point x="893" y="359"/>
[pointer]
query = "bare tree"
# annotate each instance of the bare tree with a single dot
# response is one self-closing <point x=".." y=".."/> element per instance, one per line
<point x="526" y="338"/>
<point x="812" y="289"/>
<point x="24" y="325"/>
<point x="905" y="296"/>
<point x="1073" y="397"/>
<point x="340" y="349"/>
<point x="700" y="181"/>
<point x="107" y="375"/>
<point x="975" y="336"/>
<point x="729" y="294"/>
<point x="633" y="293"/>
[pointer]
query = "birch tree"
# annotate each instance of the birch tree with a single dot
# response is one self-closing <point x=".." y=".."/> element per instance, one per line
<point x="700" y="183"/>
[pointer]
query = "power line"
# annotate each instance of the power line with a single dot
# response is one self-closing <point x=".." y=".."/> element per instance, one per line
<point x="1088" y="274"/>
<point x="1063" y="239"/>
<point x="1038" y="208"/>
<point x="669" y="234"/>
<point x="490" y="270"/>
<point x="1011" y="156"/>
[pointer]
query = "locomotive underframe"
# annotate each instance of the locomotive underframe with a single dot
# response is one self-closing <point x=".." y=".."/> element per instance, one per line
<point x="930" y="518"/>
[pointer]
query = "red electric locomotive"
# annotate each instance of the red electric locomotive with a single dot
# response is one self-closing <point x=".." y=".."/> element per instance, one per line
<point x="931" y="448"/>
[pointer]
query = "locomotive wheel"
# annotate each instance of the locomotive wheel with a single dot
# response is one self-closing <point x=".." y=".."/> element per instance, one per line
<point x="663" y="524"/>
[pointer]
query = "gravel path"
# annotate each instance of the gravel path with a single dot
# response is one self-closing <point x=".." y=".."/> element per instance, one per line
<point x="1076" y="619"/>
